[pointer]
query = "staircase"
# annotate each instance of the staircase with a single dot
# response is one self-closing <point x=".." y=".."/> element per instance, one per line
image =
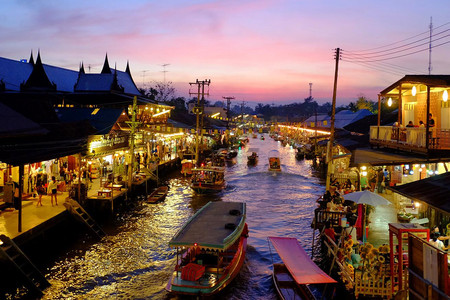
<point x="76" y="210"/>
<point x="31" y="277"/>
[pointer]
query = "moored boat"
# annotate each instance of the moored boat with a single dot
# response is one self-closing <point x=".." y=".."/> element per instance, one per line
<point x="158" y="194"/>
<point x="252" y="159"/>
<point x="208" y="179"/>
<point x="293" y="277"/>
<point x="186" y="166"/>
<point x="208" y="260"/>
<point x="274" y="161"/>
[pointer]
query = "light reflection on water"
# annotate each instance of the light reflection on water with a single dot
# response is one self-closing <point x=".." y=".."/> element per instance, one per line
<point x="136" y="262"/>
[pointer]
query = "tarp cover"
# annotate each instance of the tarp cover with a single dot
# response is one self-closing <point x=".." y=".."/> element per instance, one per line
<point x="301" y="267"/>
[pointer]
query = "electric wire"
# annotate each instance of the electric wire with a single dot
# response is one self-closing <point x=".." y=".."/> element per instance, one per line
<point x="371" y="58"/>
<point x="398" y="42"/>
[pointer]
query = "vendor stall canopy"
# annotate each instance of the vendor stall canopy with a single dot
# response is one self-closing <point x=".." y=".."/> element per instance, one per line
<point x="434" y="191"/>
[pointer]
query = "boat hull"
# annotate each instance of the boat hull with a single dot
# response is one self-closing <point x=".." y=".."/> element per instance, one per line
<point x="205" y="188"/>
<point x="177" y="285"/>
<point x="286" y="286"/>
<point x="158" y="195"/>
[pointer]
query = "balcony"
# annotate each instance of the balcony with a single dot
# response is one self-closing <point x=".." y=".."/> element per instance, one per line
<point x="412" y="139"/>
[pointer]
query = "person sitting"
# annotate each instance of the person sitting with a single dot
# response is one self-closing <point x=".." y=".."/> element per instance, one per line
<point x="435" y="241"/>
<point x="421" y="124"/>
<point x="410" y="124"/>
<point x="329" y="231"/>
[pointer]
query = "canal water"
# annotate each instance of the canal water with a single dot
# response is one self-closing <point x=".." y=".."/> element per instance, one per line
<point x="135" y="262"/>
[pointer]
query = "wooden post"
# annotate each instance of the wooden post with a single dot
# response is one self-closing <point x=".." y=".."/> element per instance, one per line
<point x="379" y="117"/>
<point x="427" y="135"/>
<point x="21" y="174"/>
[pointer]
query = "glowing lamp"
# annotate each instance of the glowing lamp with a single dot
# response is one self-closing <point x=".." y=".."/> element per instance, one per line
<point x="389" y="102"/>
<point x="363" y="168"/>
<point x="436" y="172"/>
<point x="411" y="172"/>
<point x="416" y="204"/>
<point x="445" y="96"/>
<point x="364" y="173"/>
<point x="414" y="91"/>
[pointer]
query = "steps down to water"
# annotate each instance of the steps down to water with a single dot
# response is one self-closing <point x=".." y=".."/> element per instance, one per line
<point x="76" y="210"/>
<point x="31" y="277"/>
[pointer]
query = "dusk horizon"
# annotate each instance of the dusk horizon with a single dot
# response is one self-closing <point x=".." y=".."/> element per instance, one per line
<point x="257" y="51"/>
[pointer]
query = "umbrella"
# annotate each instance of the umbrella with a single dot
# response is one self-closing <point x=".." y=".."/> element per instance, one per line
<point x="366" y="197"/>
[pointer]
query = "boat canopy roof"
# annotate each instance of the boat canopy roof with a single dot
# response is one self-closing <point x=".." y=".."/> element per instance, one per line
<point x="216" y="226"/>
<point x="209" y="169"/>
<point x="297" y="261"/>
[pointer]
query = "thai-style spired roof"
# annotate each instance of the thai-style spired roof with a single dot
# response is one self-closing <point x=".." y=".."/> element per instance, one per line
<point x="102" y="119"/>
<point x="297" y="261"/>
<point x="209" y="228"/>
<point x="14" y="73"/>
<point x="434" y="190"/>
<point x="409" y="80"/>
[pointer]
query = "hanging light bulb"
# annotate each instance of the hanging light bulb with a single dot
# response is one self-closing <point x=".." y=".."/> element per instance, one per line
<point x="445" y="96"/>
<point x="389" y="102"/>
<point x="414" y="91"/>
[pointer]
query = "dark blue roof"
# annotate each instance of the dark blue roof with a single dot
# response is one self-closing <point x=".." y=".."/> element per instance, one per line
<point x="13" y="73"/>
<point x="103" y="120"/>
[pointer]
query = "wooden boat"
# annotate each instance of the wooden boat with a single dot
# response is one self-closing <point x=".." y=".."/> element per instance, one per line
<point x="208" y="179"/>
<point x="158" y="194"/>
<point x="252" y="159"/>
<point x="208" y="260"/>
<point x="186" y="166"/>
<point x="274" y="164"/>
<point x="293" y="277"/>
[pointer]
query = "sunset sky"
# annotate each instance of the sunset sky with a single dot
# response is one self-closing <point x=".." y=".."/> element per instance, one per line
<point x="254" y="50"/>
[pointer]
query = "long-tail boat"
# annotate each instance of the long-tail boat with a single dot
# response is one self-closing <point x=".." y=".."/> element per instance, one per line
<point x="211" y="249"/>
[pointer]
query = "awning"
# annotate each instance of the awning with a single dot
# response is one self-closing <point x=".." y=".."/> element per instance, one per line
<point x="382" y="158"/>
<point x="301" y="267"/>
<point x="433" y="190"/>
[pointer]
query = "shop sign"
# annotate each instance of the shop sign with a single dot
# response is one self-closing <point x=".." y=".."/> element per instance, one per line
<point x="108" y="144"/>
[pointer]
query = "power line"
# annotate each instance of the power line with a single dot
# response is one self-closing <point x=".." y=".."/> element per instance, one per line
<point x="357" y="56"/>
<point x="401" y="41"/>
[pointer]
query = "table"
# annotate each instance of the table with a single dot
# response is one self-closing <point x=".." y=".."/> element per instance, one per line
<point x="105" y="193"/>
<point x="115" y="187"/>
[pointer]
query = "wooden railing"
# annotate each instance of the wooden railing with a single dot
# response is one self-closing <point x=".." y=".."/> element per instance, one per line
<point x="414" y="137"/>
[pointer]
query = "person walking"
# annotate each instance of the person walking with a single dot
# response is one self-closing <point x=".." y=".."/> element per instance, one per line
<point x="40" y="190"/>
<point x="380" y="181"/>
<point x="53" y="188"/>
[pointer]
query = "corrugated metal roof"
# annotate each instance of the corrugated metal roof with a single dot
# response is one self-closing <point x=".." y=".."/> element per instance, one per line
<point x="102" y="120"/>
<point x="15" y="124"/>
<point x="433" y="191"/>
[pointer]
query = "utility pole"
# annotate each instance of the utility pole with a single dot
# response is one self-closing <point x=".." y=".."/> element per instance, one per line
<point x="133" y="125"/>
<point x="242" y="112"/>
<point x="228" y="109"/>
<point x="310" y="90"/>
<point x="198" y="110"/>
<point x="333" y="112"/>
<point x="164" y="71"/>
<point x="429" y="48"/>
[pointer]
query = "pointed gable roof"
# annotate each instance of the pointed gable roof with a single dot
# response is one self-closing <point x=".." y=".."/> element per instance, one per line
<point x="106" y="69"/>
<point x="31" y="58"/>
<point x="127" y="70"/>
<point x="38" y="79"/>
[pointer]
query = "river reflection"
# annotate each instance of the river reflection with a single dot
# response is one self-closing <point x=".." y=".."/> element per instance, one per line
<point x="135" y="262"/>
